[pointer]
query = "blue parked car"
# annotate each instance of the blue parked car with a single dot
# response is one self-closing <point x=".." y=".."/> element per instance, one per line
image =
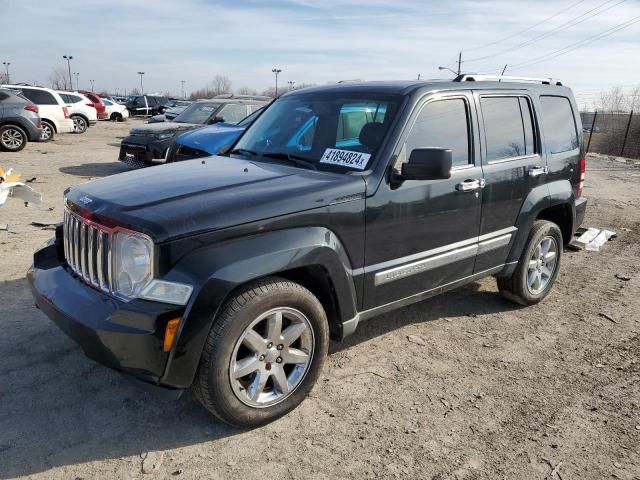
<point x="207" y="141"/>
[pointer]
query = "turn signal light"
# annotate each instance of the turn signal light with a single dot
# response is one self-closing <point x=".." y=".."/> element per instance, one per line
<point x="170" y="334"/>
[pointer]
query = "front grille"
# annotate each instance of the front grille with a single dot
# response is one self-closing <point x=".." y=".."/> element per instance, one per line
<point x="87" y="250"/>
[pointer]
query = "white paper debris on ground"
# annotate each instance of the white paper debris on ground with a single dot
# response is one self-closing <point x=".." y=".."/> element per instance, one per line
<point x="10" y="185"/>
<point x="594" y="238"/>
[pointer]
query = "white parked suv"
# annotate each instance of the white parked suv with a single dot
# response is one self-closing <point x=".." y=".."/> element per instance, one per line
<point x="81" y="110"/>
<point x="115" y="111"/>
<point x="53" y="111"/>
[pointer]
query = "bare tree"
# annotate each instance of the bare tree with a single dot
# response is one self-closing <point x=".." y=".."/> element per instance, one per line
<point x="59" y="79"/>
<point x="613" y="100"/>
<point x="4" y="78"/>
<point x="247" y="91"/>
<point x="633" y="99"/>
<point x="221" y="84"/>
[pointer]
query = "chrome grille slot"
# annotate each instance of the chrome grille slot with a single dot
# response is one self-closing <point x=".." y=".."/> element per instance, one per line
<point x="87" y="250"/>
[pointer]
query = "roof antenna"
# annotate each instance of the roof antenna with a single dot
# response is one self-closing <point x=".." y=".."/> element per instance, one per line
<point x="503" y="70"/>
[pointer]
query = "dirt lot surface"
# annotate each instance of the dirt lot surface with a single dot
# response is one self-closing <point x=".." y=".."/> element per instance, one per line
<point x="462" y="386"/>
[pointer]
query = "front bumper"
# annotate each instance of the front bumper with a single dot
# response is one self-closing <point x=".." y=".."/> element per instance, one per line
<point x="144" y="149"/>
<point x="126" y="336"/>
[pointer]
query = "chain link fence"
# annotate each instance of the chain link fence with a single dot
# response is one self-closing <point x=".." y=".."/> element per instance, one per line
<point x="612" y="133"/>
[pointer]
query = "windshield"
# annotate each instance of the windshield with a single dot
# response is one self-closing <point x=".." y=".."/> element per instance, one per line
<point x="323" y="130"/>
<point x="198" y="112"/>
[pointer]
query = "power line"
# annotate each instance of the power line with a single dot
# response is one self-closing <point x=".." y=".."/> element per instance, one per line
<point x="577" y="45"/>
<point x="564" y="26"/>
<point x="526" y="29"/>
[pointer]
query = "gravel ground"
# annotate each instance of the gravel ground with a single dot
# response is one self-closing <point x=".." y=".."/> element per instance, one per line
<point x="461" y="386"/>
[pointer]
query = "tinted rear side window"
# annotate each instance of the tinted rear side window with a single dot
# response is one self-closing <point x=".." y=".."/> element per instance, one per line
<point x="39" y="97"/>
<point x="442" y="124"/>
<point x="559" y="124"/>
<point x="508" y="127"/>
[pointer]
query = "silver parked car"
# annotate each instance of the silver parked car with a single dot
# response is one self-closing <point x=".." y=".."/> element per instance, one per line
<point x="19" y="121"/>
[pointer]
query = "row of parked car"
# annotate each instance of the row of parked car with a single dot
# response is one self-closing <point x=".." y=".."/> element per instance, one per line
<point x="37" y="114"/>
<point x="200" y="129"/>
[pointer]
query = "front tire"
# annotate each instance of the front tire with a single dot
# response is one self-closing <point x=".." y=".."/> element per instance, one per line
<point x="80" y="124"/>
<point x="537" y="267"/>
<point x="264" y="353"/>
<point x="48" y="131"/>
<point x="12" y="138"/>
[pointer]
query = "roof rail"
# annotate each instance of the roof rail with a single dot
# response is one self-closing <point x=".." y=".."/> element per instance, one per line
<point x="472" y="77"/>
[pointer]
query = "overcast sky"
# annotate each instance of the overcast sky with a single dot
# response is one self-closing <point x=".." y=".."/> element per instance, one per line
<point x="315" y="41"/>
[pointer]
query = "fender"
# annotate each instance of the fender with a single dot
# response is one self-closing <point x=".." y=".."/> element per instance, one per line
<point x="539" y="198"/>
<point x="217" y="269"/>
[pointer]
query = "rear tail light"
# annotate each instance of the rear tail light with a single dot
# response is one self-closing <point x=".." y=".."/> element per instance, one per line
<point x="90" y="105"/>
<point x="66" y="112"/>
<point x="32" y="108"/>
<point x="583" y="168"/>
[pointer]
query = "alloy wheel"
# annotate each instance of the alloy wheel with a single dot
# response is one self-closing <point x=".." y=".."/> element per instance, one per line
<point x="271" y="357"/>
<point x="542" y="265"/>
<point x="46" y="132"/>
<point x="12" y="139"/>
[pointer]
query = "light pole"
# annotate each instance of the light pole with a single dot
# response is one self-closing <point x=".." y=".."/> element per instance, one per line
<point x="419" y="75"/>
<point x="291" y="84"/>
<point x="68" y="58"/>
<point x="77" y="81"/>
<point x="182" y="88"/>
<point x="141" y="89"/>
<point x="6" y="66"/>
<point x="276" y="71"/>
<point x="91" y="82"/>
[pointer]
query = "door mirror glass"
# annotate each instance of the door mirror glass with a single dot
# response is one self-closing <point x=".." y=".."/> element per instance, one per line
<point x="428" y="164"/>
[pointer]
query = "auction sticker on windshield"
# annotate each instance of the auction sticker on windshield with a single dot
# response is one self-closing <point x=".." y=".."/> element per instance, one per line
<point x="345" y="158"/>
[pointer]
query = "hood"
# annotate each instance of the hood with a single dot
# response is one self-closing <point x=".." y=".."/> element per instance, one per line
<point x="162" y="127"/>
<point x="211" y="138"/>
<point x="181" y="199"/>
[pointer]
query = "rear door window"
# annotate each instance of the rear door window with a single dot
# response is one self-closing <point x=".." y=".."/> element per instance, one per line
<point x="39" y="97"/>
<point x="508" y="127"/>
<point x="560" y="131"/>
<point x="443" y="124"/>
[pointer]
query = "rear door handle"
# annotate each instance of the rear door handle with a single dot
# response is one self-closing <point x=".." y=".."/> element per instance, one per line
<point x="470" y="185"/>
<point x="537" y="171"/>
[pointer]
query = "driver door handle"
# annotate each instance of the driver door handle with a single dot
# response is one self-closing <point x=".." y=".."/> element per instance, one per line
<point x="471" y="185"/>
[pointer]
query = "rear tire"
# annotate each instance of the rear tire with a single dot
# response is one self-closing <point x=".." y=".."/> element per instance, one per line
<point x="537" y="267"/>
<point x="80" y="124"/>
<point x="12" y="138"/>
<point x="48" y="131"/>
<point x="255" y="368"/>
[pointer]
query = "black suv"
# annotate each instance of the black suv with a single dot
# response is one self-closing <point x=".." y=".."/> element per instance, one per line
<point x="146" y="104"/>
<point x="150" y="143"/>
<point x="229" y="274"/>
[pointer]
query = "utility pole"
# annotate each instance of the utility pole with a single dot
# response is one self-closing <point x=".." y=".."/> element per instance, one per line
<point x="68" y="58"/>
<point x="141" y="89"/>
<point x="91" y="81"/>
<point x="291" y="84"/>
<point x="459" y="62"/>
<point x="6" y="66"/>
<point x="276" y="71"/>
<point x="419" y="76"/>
<point x="182" y="88"/>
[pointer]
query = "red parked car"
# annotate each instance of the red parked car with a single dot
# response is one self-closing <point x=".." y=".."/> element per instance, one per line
<point x="96" y="102"/>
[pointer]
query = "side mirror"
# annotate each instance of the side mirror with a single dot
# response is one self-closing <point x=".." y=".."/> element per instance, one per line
<point x="427" y="164"/>
<point x="217" y="119"/>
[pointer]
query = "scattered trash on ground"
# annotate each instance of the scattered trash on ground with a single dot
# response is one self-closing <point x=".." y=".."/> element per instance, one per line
<point x="44" y="225"/>
<point x="592" y="239"/>
<point x="10" y="185"/>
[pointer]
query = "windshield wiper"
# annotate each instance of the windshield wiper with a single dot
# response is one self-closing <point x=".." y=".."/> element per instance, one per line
<point x="243" y="151"/>
<point x="295" y="159"/>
